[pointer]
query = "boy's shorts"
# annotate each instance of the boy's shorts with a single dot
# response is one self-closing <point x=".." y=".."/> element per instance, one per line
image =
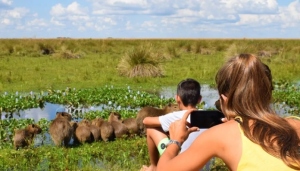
<point x="162" y="145"/>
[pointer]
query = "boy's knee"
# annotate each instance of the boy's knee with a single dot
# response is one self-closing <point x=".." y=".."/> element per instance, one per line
<point x="155" y="131"/>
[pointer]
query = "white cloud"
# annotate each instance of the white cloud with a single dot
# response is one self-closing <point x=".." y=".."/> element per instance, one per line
<point x="290" y="15"/>
<point x="126" y="2"/>
<point x="17" y="13"/>
<point x="251" y="6"/>
<point x="13" y="16"/>
<point x="74" y="9"/>
<point x="57" y="10"/>
<point x="6" y="21"/>
<point x="110" y="21"/>
<point x="37" y="22"/>
<point x="71" y="15"/>
<point x="56" y="22"/>
<point x="287" y="17"/>
<point x="7" y="2"/>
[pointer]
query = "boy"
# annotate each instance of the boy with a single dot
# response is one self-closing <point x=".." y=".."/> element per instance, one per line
<point x="187" y="97"/>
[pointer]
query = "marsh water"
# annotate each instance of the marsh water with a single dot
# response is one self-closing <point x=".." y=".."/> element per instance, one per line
<point x="209" y="96"/>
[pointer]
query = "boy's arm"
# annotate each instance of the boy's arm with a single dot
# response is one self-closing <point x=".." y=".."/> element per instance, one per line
<point x="151" y="122"/>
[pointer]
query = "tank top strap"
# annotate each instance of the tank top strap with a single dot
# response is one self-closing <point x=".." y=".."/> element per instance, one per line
<point x="238" y="119"/>
<point x="293" y="117"/>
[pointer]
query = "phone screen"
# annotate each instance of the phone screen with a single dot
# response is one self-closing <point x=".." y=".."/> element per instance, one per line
<point x="206" y="118"/>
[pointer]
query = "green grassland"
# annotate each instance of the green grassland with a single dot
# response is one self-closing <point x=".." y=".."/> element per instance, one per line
<point x="39" y="64"/>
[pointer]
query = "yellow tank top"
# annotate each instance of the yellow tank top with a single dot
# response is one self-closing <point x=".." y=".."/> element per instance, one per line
<point x="254" y="158"/>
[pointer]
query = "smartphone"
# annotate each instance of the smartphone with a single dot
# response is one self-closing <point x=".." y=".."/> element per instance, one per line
<point x="206" y="118"/>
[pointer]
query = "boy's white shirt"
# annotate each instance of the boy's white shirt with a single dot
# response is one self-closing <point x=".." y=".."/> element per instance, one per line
<point x="166" y="120"/>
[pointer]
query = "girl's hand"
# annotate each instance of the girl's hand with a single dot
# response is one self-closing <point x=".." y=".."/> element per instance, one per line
<point x="180" y="129"/>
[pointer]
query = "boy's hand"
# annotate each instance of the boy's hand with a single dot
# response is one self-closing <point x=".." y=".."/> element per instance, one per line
<point x="180" y="129"/>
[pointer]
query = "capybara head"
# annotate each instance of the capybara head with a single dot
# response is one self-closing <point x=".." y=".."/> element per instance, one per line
<point x="97" y="121"/>
<point x="171" y="107"/>
<point x="114" y="116"/>
<point x="33" y="129"/>
<point x="64" y="115"/>
<point x="85" y="122"/>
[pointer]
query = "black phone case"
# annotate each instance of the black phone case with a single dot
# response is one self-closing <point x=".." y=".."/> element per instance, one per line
<point x="206" y="118"/>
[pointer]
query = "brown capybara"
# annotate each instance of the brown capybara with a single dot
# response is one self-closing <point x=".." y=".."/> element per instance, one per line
<point x="74" y="126"/>
<point x="130" y="123"/>
<point x="95" y="130"/>
<point x="60" y="129"/>
<point x="120" y="129"/>
<point x="149" y="111"/>
<point x="218" y="105"/>
<point x="24" y="137"/>
<point x="83" y="133"/>
<point x="106" y="129"/>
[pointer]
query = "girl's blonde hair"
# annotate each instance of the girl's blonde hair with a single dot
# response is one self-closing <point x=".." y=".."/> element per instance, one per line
<point x="247" y="85"/>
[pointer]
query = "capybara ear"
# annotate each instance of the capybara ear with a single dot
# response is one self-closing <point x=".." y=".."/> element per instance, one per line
<point x="169" y="104"/>
<point x="32" y="125"/>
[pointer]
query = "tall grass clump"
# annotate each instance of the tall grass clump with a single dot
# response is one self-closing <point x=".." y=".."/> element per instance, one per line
<point x="234" y="50"/>
<point x="140" y="62"/>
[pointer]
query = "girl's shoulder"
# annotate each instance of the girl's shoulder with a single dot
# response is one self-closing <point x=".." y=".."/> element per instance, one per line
<point x="227" y="130"/>
<point x="294" y="121"/>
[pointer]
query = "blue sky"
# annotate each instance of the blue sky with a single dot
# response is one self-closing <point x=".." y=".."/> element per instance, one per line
<point x="150" y="18"/>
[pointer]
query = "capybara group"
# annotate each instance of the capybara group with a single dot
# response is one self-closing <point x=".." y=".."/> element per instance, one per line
<point x="149" y="111"/>
<point x="120" y="129"/>
<point x="24" y="137"/>
<point x="60" y="129"/>
<point x="106" y="129"/>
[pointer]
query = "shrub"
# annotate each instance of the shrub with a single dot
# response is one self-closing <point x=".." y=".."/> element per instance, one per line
<point x="140" y="62"/>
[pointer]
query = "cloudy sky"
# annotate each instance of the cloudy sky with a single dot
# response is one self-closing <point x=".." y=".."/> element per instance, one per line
<point x="150" y="18"/>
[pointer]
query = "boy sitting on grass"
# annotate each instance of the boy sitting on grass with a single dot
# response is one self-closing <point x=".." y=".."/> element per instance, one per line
<point x="187" y="97"/>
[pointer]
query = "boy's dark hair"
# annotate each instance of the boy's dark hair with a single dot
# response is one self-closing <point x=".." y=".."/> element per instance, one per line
<point x="189" y="91"/>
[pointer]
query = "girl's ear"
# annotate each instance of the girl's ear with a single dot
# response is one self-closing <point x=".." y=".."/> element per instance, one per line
<point x="223" y="97"/>
<point x="223" y="100"/>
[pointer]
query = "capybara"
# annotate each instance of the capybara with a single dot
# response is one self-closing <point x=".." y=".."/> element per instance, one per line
<point x="106" y="129"/>
<point x="130" y="123"/>
<point x="149" y="111"/>
<point x="218" y="105"/>
<point x="60" y="129"/>
<point x="83" y="133"/>
<point x="95" y="130"/>
<point x="74" y="126"/>
<point x="120" y="129"/>
<point x="24" y="137"/>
